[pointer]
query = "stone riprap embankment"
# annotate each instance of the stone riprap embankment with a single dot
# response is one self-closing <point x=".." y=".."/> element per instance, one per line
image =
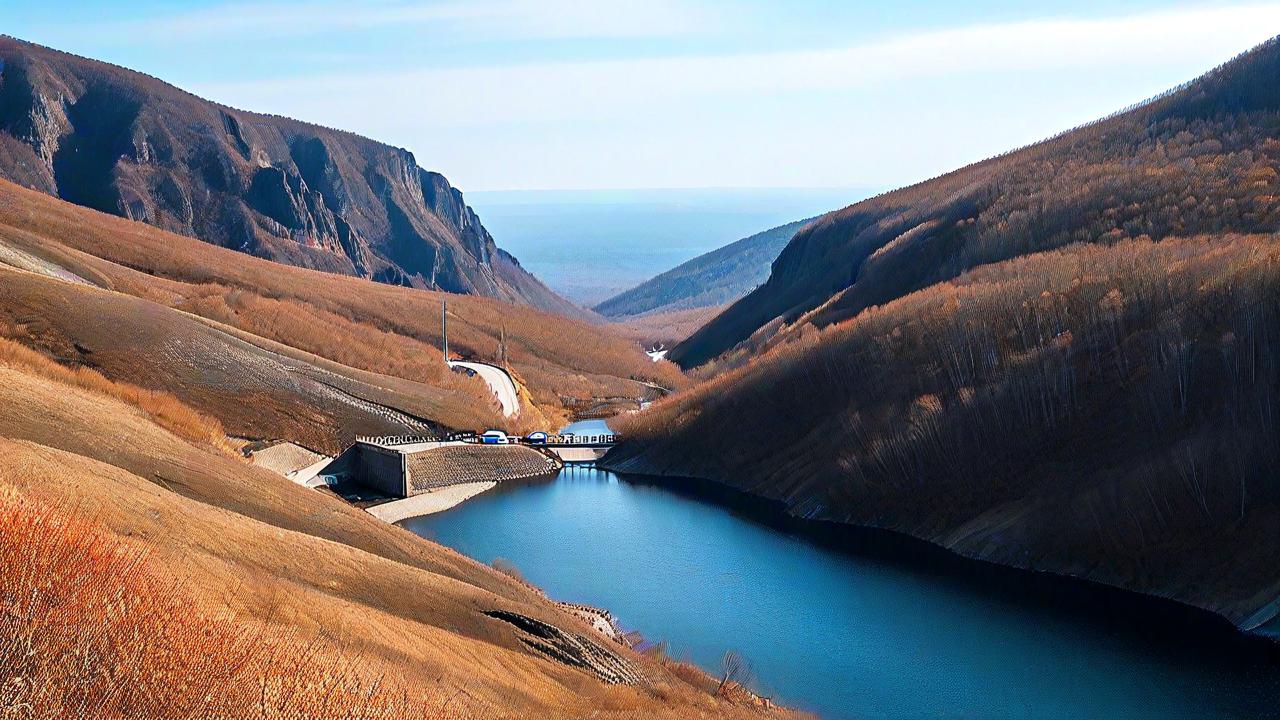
<point x="435" y="476"/>
<point x="464" y="463"/>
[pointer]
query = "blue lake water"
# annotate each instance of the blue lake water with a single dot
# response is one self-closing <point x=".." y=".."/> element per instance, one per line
<point x="841" y="634"/>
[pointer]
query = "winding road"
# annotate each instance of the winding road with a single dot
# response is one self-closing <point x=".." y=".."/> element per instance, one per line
<point x="504" y="388"/>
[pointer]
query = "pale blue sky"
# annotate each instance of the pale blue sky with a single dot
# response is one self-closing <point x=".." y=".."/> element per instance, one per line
<point x="516" y="94"/>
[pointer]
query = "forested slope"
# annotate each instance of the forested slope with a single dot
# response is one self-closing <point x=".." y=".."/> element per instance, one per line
<point x="1064" y="359"/>
<point x="1200" y="159"/>
<point x="1106" y="411"/>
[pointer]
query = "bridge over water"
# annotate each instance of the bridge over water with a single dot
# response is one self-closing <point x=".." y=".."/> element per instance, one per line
<point x="579" y="448"/>
<point x="569" y="447"/>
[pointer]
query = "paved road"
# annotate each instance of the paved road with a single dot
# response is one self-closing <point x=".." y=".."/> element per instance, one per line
<point x="499" y="381"/>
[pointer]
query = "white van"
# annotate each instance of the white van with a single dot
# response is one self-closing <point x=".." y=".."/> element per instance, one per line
<point x="494" y="437"/>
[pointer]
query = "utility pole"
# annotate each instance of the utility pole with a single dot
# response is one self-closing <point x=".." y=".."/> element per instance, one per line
<point x="444" y="328"/>
<point x="502" y="347"/>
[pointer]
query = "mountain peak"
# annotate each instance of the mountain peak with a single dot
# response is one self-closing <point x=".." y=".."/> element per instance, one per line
<point x="127" y="144"/>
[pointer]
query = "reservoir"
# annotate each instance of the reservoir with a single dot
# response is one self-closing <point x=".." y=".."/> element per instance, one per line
<point x="841" y="633"/>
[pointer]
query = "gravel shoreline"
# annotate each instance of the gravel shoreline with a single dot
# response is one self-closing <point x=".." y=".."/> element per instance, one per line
<point x="428" y="503"/>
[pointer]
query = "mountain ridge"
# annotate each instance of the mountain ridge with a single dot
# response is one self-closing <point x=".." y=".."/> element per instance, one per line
<point x="1062" y="360"/>
<point x="881" y="248"/>
<point x="713" y="278"/>
<point x="132" y="145"/>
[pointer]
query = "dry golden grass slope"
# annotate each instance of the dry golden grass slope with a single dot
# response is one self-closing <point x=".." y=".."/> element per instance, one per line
<point x="168" y="571"/>
<point x="298" y="591"/>
<point x="326" y="355"/>
<point x="667" y="328"/>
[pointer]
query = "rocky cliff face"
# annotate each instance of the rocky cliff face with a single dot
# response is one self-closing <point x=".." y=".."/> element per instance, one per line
<point x="130" y="145"/>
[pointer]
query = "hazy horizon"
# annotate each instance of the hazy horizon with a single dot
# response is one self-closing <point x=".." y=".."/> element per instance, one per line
<point x="589" y="245"/>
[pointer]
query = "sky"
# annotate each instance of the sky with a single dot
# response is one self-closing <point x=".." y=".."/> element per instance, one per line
<point x="570" y="94"/>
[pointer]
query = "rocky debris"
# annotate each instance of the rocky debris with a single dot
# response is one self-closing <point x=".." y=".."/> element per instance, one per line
<point x="602" y="621"/>
<point x="456" y="464"/>
<point x="571" y="649"/>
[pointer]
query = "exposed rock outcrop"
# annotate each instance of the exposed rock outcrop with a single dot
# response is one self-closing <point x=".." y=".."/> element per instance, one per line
<point x="130" y="145"/>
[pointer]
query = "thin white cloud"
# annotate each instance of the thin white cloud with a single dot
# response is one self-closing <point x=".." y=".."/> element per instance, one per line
<point x="881" y="112"/>
<point x="597" y="90"/>
<point x="529" y="19"/>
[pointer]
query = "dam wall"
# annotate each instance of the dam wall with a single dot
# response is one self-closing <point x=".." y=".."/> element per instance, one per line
<point x="381" y="468"/>
<point x="406" y="469"/>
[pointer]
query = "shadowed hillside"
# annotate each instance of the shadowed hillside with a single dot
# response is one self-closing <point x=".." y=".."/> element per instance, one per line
<point x="665" y="328"/>
<point x="1106" y="411"/>
<point x="712" y="279"/>
<point x="130" y="145"/>
<point x="1062" y="359"/>
<point x="1200" y="159"/>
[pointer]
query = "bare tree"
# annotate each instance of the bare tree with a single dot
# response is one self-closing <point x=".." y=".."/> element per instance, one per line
<point x="734" y="669"/>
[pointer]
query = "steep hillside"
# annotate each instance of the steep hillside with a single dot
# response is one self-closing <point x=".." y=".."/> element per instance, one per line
<point x="255" y="388"/>
<point x="715" y="278"/>
<point x="147" y="573"/>
<point x="1063" y="359"/>
<point x="1200" y="159"/>
<point x="1102" y="410"/>
<point x="331" y="356"/>
<point x="130" y="145"/>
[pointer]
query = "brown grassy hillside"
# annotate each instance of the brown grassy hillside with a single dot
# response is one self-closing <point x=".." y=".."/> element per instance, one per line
<point x="144" y="571"/>
<point x="381" y="341"/>
<point x="668" y="328"/>
<point x="254" y="389"/>
<point x="1203" y="159"/>
<point x="76" y="595"/>
<point x="1101" y="410"/>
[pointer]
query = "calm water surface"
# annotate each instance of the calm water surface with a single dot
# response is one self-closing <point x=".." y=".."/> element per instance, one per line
<point x="840" y="634"/>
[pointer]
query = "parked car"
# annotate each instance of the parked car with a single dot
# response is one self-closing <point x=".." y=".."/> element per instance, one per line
<point x="536" y="438"/>
<point x="494" y="437"/>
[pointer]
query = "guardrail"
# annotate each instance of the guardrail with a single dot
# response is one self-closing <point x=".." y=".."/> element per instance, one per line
<point x="565" y="439"/>
<point x="393" y="440"/>
<point x="574" y="439"/>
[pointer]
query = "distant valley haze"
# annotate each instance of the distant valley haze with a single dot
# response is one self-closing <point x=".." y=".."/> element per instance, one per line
<point x="589" y="245"/>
